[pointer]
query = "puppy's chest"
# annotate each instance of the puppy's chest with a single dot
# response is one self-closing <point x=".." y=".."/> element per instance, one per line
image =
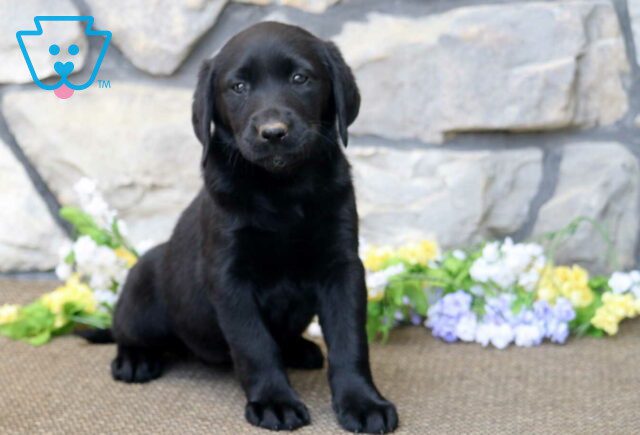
<point x="270" y="256"/>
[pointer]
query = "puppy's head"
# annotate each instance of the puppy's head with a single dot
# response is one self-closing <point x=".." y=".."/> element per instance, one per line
<point x="278" y="93"/>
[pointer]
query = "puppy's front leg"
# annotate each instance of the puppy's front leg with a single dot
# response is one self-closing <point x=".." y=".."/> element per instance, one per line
<point x="358" y="404"/>
<point x="271" y="402"/>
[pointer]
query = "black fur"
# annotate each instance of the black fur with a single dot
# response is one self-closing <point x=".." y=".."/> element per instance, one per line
<point x="269" y="242"/>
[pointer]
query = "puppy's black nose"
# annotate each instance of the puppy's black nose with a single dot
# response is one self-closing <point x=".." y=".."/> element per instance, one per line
<point x="273" y="131"/>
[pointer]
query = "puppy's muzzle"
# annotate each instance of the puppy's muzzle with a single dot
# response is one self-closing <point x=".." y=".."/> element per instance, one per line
<point x="273" y="132"/>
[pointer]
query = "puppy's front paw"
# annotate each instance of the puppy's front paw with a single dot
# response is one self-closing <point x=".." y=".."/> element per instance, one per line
<point x="359" y="413"/>
<point x="288" y="414"/>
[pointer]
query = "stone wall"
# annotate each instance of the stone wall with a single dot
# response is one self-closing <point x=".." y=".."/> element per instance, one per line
<point x="479" y="119"/>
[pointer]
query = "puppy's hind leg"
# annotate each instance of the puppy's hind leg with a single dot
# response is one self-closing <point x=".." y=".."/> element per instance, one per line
<point x="136" y="364"/>
<point x="141" y="327"/>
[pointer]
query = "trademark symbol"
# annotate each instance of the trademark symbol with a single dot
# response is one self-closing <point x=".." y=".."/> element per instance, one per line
<point x="104" y="84"/>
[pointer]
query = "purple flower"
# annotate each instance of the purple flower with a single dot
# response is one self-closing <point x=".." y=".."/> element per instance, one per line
<point x="555" y="319"/>
<point x="445" y="314"/>
<point x="558" y="332"/>
<point x="450" y="319"/>
<point x="456" y="304"/>
<point x="498" y="309"/>
<point x="563" y="310"/>
<point x="416" y="318"/>
<point x="542" y="310"/>
<point x="443" y="327"/>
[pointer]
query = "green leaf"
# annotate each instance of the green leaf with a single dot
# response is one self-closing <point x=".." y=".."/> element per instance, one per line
<point x="452" y="265"/>
<point x="478" y="306"/>
<point x="419" y="301"/>
<point x="599" y="284"/>
<point x="85" y="225"/>
<point x="70" y="258"/>
<point x="98" y="320"/>
<point x="581" y="325"/>
<point x="40" y="339"/>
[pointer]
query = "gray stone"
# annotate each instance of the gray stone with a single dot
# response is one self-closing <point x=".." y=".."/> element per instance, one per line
<point x="634" y="15"/>
<point x="29" y="237"/>
<point x="514" y="67"/>
<point x="314" y="6"/>
<point x="457" y="197"/>
<point x="599" y="181"/>
<point x="18" y="15"/>
<point x="156" y="35"/>
<point x="135" y="140"/>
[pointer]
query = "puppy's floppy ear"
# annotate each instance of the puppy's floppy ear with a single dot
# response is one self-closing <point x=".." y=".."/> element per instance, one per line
<point x="203" y="107"/>
<point x="345" y="91"/>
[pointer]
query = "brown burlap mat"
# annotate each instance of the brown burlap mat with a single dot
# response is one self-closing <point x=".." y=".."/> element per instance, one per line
<point x="589" y="386"/>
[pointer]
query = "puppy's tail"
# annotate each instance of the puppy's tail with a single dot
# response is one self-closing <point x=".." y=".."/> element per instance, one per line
<point x="96" y="336"/>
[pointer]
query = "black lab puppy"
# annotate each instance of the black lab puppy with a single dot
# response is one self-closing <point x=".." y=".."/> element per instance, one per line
<point x="269" y="242"/>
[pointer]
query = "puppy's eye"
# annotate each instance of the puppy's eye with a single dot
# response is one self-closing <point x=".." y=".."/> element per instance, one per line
<point x="239" y="87"/>
<point x="299" y="79"/>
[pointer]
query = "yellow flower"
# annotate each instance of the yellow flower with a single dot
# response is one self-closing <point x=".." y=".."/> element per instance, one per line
<point x="622" y="305"/>
<point x="569" y="282"/>
<point x="8" y="313"/>
<point x="605" y="320"/>
<point x="126" y="255"/>
<point x="547" y="289"/>
<point x="376" y="257"/>
<point x="419" y="253"/>
<point x="615" y="308"/>
<point x="73" y="291"/>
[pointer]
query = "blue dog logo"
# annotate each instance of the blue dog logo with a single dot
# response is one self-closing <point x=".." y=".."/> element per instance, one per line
<point x="63" y="88"/>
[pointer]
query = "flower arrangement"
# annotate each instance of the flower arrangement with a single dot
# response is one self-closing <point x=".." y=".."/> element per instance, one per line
<point x="93" y="269"/>
<point x="498" y="294"/>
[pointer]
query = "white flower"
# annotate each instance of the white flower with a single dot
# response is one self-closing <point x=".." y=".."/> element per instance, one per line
<point x="459" y="254"/>
<point x="98" y="280"/>
<point x="491" y="252"/>
<point x="483" y="334"/>
<point x="98" y="208"/>
<point x="63" y="271"/>
<point x="92" y="202"/>
<point x="502" y="335"/>
<point x="106" y="297"/>
<point x="498" y="335"/>
<point x="466" y="327"/>
<point x="529" y="280"/>
<point x="377" y="281"/>
<point x="620" y="282"/>
<point x="84" y="249"/>
<point x="509" y="264"/>
<point x="98" y="263"/>
<point x="528" y="335"/>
